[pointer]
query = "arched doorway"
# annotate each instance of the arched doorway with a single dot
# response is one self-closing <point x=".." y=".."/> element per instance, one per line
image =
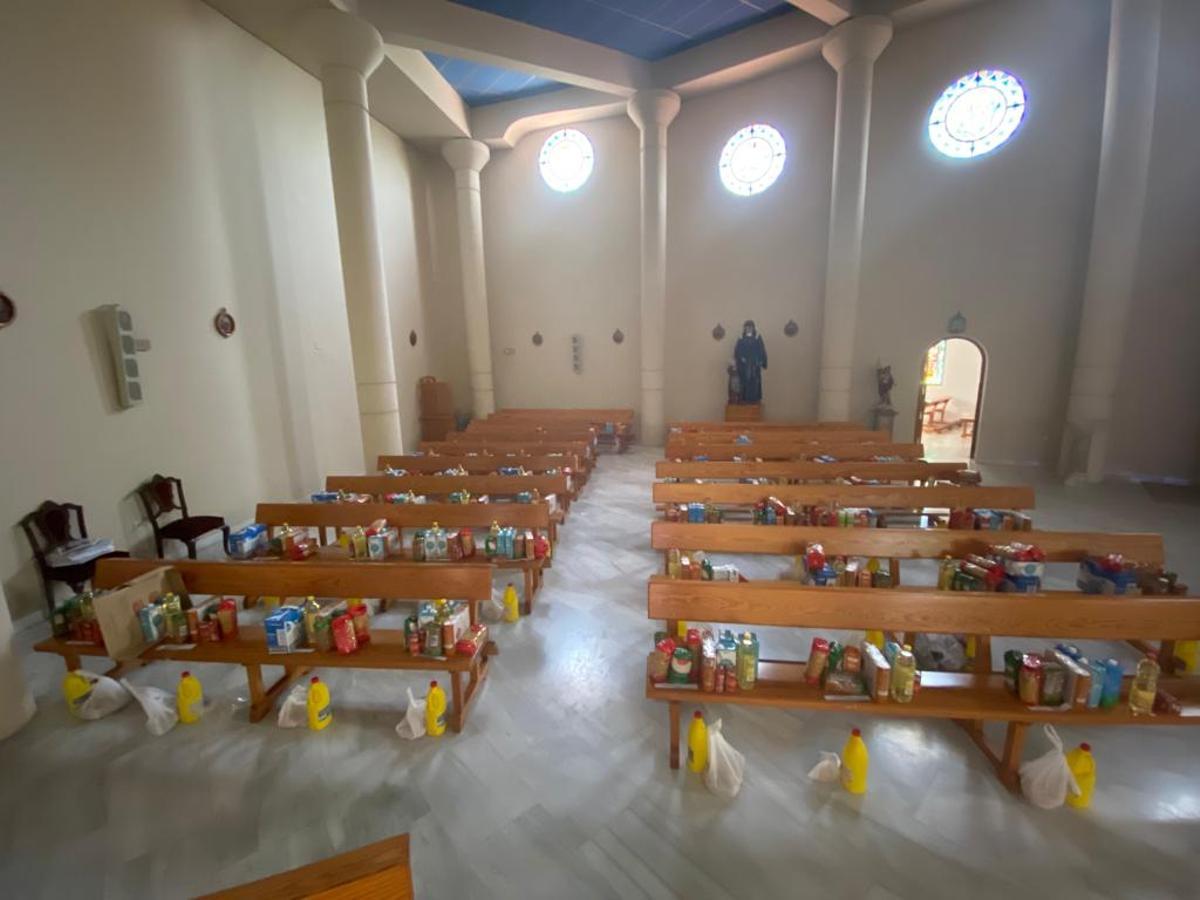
<point x="950" y="399"/>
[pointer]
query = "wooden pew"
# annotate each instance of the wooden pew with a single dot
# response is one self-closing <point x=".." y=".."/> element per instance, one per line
<point x="440" y="485"/>
<point x="802" y="470"/>
<point x="490" y="447"/>
<point x="862" y="436"/>
<point x="326" y="517"/>
<point x="476" y="465"/>
<point x="764" y="427"/>
<point x="895" y="544"/>
<point x="615" y="426"/>
<point x="967" y="698"/>
<point x="938" y="496"/>
<point x="519" y="431"/>
<point x="259" y="578"/>
<point x="779" y="450"/>
<point x="379" y="870"/>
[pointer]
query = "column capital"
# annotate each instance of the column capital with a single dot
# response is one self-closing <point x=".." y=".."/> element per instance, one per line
<point x="465" y="154"/>
<point x="653" y="108"/>
<point x="858" y="38"/>
<point x="335" y="38"/>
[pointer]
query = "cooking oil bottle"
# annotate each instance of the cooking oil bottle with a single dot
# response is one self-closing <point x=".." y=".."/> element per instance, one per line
<point x="1145" y="686"/>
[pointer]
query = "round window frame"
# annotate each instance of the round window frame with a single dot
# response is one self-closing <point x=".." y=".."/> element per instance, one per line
<point x="951" y="147"/>
<point x="767" y="179"/>
<point x="556" y="139"/>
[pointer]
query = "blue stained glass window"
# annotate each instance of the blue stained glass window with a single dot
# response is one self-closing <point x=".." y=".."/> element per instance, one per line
<point x="977" y="113"/>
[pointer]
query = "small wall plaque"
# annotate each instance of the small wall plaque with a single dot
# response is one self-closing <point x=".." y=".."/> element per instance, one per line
<point x="791" y="329"/>
<point x="537" y="339"/>
<point x="618" y="336"/>
<point x="718" y="333"/>
<point x="957" y="324"/>
<point x="412" y="339"/>
<point x="224" y="323"/>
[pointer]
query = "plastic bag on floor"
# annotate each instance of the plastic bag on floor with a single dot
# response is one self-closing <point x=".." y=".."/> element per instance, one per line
<point x="157" y="704"/>
<point x="492" y="610"/>
<point x="294" y="711"/>
<point x="726" y="766"/>
<point x="1046" y="780"/>
<point x="104" y="699"/>
<point x="939" y="653"/>
<point x="413" y="725"/>
<point x="829" y="769"/>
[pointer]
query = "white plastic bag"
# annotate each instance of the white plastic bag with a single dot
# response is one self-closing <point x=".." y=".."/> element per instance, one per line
<point x="157" y="704"/>
<point x="294" y="711"/>
<point x="1046" y="780"/>
<point x="725" y="765"/>
<point x="492" y="609"/>
<point x="829" y="769"/>
<point x="106" y="698"/>
<point x="413" y="725"/>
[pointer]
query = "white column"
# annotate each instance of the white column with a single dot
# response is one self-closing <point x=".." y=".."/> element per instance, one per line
<point x="467" y="158"/>
<point x="652" y="111"/>
<point x="1116" y="233"/>
<point x="851" y="48"/>
<point x="348" y="50"/>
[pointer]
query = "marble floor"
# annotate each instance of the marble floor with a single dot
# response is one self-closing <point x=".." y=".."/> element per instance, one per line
<point x="559" y="786"/>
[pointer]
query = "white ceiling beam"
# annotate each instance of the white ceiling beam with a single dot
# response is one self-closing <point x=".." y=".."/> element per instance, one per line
<point x="425" y="77"/>
<point x="831" y="12"/>
<point x="502" y="125"/>
<point x="748" y="53"/>
<point x="466" y="33"/>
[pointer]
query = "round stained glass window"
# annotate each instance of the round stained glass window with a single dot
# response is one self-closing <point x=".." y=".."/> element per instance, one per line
<point x="566" y="160"/>
<point x="977" y="113"/>
<point x="752" y="159"/>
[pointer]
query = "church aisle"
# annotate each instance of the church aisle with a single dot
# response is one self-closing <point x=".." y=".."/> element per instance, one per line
<point x="559" y="786"/>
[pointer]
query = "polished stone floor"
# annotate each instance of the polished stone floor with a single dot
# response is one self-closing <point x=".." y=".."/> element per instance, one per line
<point x="559" y="787"/>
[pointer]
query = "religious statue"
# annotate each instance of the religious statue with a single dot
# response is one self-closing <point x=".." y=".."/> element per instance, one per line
<point x="884" y="382"/>
<point x="750" y="358"/>
<point x="735" y="384"/>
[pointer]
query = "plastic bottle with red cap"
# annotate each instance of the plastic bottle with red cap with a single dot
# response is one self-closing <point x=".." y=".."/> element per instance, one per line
<point x="320" y="709"/>
<point x="855" y="761"/>
<point x="1083" y="766"/>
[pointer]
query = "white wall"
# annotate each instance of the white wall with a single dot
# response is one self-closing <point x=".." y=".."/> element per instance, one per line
<point x="564" y="264"/>
<point x="157" y="156"/>
<point x="732" y="258"/>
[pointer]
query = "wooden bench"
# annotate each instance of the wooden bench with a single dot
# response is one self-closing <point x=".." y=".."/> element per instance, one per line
<point x="476" y="465"/>
<point x="441" y="485"/>
<point x="519" y="431"/>
<point x="967" y="698"/>
<point x="386" y="650"/>
<point x="802" y="470"/>
<point x="779" y="450"/>
<point x="765" y="427"/>
<point x="620" y="420"/>
<point x="585" y="453"/>
<point x="895" y="544"/>
<point x="333" y="517"/>
<point x="938" y="496"/>
<point x="380" y="870"/>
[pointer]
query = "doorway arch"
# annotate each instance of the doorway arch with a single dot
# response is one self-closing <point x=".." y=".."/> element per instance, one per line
<point x="952" y="374"/>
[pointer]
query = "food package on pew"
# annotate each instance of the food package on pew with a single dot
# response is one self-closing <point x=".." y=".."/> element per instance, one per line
<point x="339" y="497"/>
<point x="285" y="629"/>
<point x="989" y="520"/>
<point x="773" y="511"/>
<point x="383" y="540"/>
<point x="248" y="542"/>
<point x="118" y="611"/>
<point x="406" y="497"/>
<point x="1110" y="574"/>
<point x="1154" y="579"/>
<point x="75" y="620"/>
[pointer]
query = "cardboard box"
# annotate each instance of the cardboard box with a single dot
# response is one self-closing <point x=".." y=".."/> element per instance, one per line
<point x="117" y="610"/>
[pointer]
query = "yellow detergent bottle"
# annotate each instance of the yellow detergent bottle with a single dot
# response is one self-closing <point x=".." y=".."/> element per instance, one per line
<point x="320" y="711"/>
<point x="512" y="605"/>
<point x="1189" y="652"/>
<point x="875" y="637"/>
<point x="1083" y="766"/>
<point x="76" y="690"/>
<point x="855" y="761"/>
<point x="697" y="743"/>
<point x="435" y="710"/>
<point x="681" y="629"/>
<point x="189" y="698"/>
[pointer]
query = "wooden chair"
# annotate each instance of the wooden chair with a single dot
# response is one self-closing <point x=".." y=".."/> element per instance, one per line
<point x="49" y="527"/>
<point x="935" y="413"/>
<point x="162" y="495"/>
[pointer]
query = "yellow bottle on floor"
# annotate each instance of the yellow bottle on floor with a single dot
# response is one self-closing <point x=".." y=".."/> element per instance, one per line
<point x="697" y="743"/>
<point x="512" y="604"/>
<point x="76" y="690"/>
<point x="320" y="711"/>
<point x="1189" y="652"/>
<point x="1083" y="766"/>
<point x="875" y="637"/>
<point x="435" y="711"/>
<point x="189" y="698"/>
<point x="855" y="761"/>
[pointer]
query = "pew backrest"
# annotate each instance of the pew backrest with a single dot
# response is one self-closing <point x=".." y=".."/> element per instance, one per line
<point x="781" y="450"/>
<point x="803" y="470"/>
<point x="938" y="496"/>
<point x="435" y="485"/>
<point x="404" y="515"/>
<point x="476" y="465"/>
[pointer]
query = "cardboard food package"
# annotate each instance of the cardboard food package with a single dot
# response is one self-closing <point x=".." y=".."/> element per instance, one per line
<point x="117" y="610"/>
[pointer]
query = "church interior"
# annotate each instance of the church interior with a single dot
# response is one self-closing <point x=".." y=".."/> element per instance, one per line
<point x="632" y="448"/>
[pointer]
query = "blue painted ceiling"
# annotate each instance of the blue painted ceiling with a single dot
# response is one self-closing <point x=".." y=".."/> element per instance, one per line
<point x="479" y="84"/>
<point x="649" y="29"/>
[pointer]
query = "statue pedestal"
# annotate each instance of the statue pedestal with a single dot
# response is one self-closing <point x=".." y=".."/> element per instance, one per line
<point x="743" y="412"/>
<point x="885" y="417"/>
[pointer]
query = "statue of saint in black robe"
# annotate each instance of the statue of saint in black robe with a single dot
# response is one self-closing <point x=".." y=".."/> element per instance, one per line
<point x="750" y="357"/>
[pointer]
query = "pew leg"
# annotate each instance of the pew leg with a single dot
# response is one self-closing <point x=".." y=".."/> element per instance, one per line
<point x="71" y="660"/>
<point x="1010" y="762"/>
<point x="1166" y="657"/>
<point x="458" y="717"/>
<point x="983" y="654"/>
<point x="528" y="598"/>
<point x="258" y="694"/>
<point x="894" y="571"/>
<point x="673" y="709"/>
